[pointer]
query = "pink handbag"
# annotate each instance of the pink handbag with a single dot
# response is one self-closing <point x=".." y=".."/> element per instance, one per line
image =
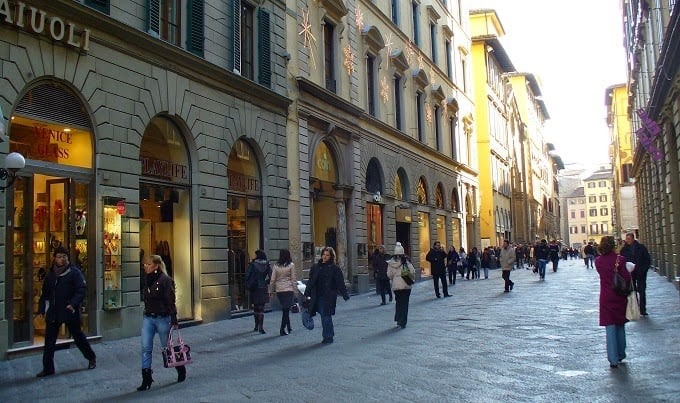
<point x="176" y="353"/>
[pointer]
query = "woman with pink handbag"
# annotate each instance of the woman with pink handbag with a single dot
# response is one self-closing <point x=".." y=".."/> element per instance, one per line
<point x="160" y="315"/>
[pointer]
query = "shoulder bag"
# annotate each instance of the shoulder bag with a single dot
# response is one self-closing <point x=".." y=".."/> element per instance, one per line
<point x="176" y="353"/>
<point x="406" y="274"/>
<point x="619" y="284"/>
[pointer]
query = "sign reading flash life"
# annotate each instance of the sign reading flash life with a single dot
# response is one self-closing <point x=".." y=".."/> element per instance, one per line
<point x="37" y="21"/>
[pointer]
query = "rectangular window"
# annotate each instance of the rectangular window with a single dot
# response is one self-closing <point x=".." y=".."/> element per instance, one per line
<point x="602" y="184"/>
<point x="453" y="127"/>
<point x="395" y="12"/>
<point x="573" y="214"/>
<point x="100" y="5"/>
<point x="397" y="103"/>
<point x="463" y="74"/>
<point x="592" y="199"/>
<point x="449" y="65"/>
<point x="437" y="122"/>
<point x="603" y="198"/>
<point x="583" y="229"/>
<point x="370" y="84"/>
<point x="626" y="170"/>
<point x="592" y="212"/>
<point x="583" y="214"/>
<point x="419" y="115"/>
<point x="247" y="41"/>
<point x="433" y="42"/>
<point x="329" y="55"/>
<point x="591" y="184"/>
<point x="604" y="228"/>
<point x="416" y="28"/>
<point x="604" y="211"/>
<point x="593" y="229"/>
<point x="170" y="21"/>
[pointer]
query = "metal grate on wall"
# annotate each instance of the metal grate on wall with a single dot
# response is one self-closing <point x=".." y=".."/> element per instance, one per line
<point x="53" y="103"/>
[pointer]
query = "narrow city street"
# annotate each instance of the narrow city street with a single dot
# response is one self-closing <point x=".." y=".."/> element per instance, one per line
<point x="539" y="343"/>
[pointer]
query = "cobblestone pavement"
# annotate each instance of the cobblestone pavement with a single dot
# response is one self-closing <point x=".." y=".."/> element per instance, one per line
<point x="538" y="343"/>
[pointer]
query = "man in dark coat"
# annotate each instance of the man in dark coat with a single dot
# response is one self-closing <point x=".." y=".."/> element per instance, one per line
<point x="63" y="292"/>
<point x="542" y="254"/>
<point x="637" y="253"/>
<point x="379" y="263"/>
<point x="437" y="258"/>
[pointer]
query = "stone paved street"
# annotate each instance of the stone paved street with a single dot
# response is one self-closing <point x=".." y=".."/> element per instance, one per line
<point x="539" y="343"/>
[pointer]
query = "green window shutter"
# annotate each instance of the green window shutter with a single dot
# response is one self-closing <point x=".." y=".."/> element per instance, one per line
<point x="237" y="36"/>
<point x="153" y="17"/>
<point x="230" y="34"/>
<point x="264" y="49"/>
<point x="195" y="27"/>
<point x="100" y="5"/>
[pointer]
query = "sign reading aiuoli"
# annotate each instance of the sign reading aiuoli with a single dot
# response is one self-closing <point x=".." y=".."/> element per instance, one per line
<point x="35" y="20"/>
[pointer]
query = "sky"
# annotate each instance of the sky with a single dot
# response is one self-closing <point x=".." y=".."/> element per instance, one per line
<point x="576" y="50"/>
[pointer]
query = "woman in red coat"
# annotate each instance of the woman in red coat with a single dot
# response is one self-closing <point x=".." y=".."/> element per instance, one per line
<point x="612" y="305"/>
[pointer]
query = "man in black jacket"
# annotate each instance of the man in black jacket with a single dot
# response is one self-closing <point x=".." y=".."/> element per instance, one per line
<point x="437" y="258"/>
<point x="63" y="292"/>
<point x="637" y="253"/>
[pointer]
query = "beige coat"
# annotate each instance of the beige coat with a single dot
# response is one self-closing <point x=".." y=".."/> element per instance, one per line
<point x="394" y="274"/>
<point x="507" y="258"/>
<point x="283" y="278"/>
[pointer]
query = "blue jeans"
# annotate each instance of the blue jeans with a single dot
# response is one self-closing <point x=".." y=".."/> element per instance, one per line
<point x="151" y="326"/>
<point x="326" y="320"/>
<point x="541" y="267"/>
<point x="616" y="343"/>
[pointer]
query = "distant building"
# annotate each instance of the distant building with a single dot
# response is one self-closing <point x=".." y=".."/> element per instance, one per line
<point x="576" y="218"/>
<point x="598" y="192"/>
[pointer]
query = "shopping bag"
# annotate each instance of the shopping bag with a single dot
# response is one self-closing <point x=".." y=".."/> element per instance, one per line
<point x="633" y="306"/>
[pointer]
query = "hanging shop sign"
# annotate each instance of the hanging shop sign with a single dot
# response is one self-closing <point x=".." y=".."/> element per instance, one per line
<point x="35" y="20"/>
<point x="647" y="133"/>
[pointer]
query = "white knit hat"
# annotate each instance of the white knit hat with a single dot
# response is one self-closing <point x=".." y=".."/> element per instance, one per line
<point x="398" y="249"/>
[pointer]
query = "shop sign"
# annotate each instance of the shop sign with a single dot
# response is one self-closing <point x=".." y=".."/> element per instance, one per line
<point x="647" y="133"/>
<point x="163" y="169"/>
<point x="242" y="183"/>
<point x="120" y="207"/>
<point x="37" y="21"/>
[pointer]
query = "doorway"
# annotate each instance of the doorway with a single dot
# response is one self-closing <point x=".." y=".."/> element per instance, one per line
<point x="47" y="212"/>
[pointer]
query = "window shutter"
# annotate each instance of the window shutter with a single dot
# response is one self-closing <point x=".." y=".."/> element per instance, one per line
<point x="153" y="17"/>
<point x="264" y="49"/>
<point x="100" y="5"/>
<point x="237" y="36"/>
<point x="195" y="27"/>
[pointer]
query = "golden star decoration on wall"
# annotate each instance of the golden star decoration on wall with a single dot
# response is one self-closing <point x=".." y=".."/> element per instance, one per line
<point x="349" y="60"/>
<point x="308" y="39"/>
<point x="428" y="114"/>
<point x="359" y="19"/>
<point x="384" y="90"/>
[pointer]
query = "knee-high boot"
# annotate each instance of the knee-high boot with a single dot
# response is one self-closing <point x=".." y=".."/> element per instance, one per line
<point x="181" y="373"/>
<point x="261" y="323"/>
<point x="146" y="379"/>
<point x="257" y="321"/>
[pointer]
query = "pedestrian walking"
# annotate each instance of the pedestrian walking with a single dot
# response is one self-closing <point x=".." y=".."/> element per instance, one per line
<point x="542" y="255"/>
<point x="63" y="291"/>
<point x="401" y="288"/>
<point x="554" y="255"/>
<point x="437" y="258"/>
<point x="324" y="285"/>
<point x="612" y="305"/>
<point x="637" y="253"/>
<point x="589" y="255"/>
<point x="462" y="261"/>
<point x="473" y="263"/>
<point x="507" y="260"/>
<point x="452" y="260"/>
<point x="382" y="283"/>
<point x="284" y="284"/>
<point x="258" y="276"/>
<point x="160" y="315"/>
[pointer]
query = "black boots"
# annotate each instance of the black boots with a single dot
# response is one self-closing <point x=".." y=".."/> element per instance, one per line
<point x="257" y="322"/>
<point x="261" y="323"/>
<point x="146" y="379"/>
<point x="181" y="373"/>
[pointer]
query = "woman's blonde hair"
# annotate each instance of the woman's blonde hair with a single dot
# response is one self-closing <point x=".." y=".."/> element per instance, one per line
<point x="331" y="251"/>
<point x="159" y="261"/>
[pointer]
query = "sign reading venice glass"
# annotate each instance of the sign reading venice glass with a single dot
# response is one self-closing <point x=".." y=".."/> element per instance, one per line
<point x="35" y="20"/>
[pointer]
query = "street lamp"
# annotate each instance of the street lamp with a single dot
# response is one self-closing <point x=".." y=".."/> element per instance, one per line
<point x="13" y="162"/>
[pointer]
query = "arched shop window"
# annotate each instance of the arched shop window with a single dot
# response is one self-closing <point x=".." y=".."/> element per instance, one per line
<point x="165" y="205"/>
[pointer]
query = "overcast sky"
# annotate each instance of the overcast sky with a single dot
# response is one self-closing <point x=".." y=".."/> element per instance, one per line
<point x="576" y="50"/>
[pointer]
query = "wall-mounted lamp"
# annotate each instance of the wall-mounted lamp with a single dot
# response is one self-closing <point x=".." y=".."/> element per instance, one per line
<point x="13" y="163"/>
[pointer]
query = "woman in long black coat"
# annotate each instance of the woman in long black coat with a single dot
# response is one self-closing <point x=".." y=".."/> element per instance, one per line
<point x="324" y="284"/>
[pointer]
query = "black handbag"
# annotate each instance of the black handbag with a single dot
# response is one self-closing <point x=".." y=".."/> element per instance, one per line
<point x="619" y="284"/>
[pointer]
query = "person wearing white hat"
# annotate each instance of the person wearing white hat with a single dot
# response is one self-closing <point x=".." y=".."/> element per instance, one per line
<point x="402" y="273"/>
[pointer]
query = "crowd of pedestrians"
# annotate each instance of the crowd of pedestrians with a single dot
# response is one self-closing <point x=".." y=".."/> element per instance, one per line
<point x="394" y="275"/>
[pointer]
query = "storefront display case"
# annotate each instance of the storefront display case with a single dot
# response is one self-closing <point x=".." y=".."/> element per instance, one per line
<point x="113" y="216"/>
